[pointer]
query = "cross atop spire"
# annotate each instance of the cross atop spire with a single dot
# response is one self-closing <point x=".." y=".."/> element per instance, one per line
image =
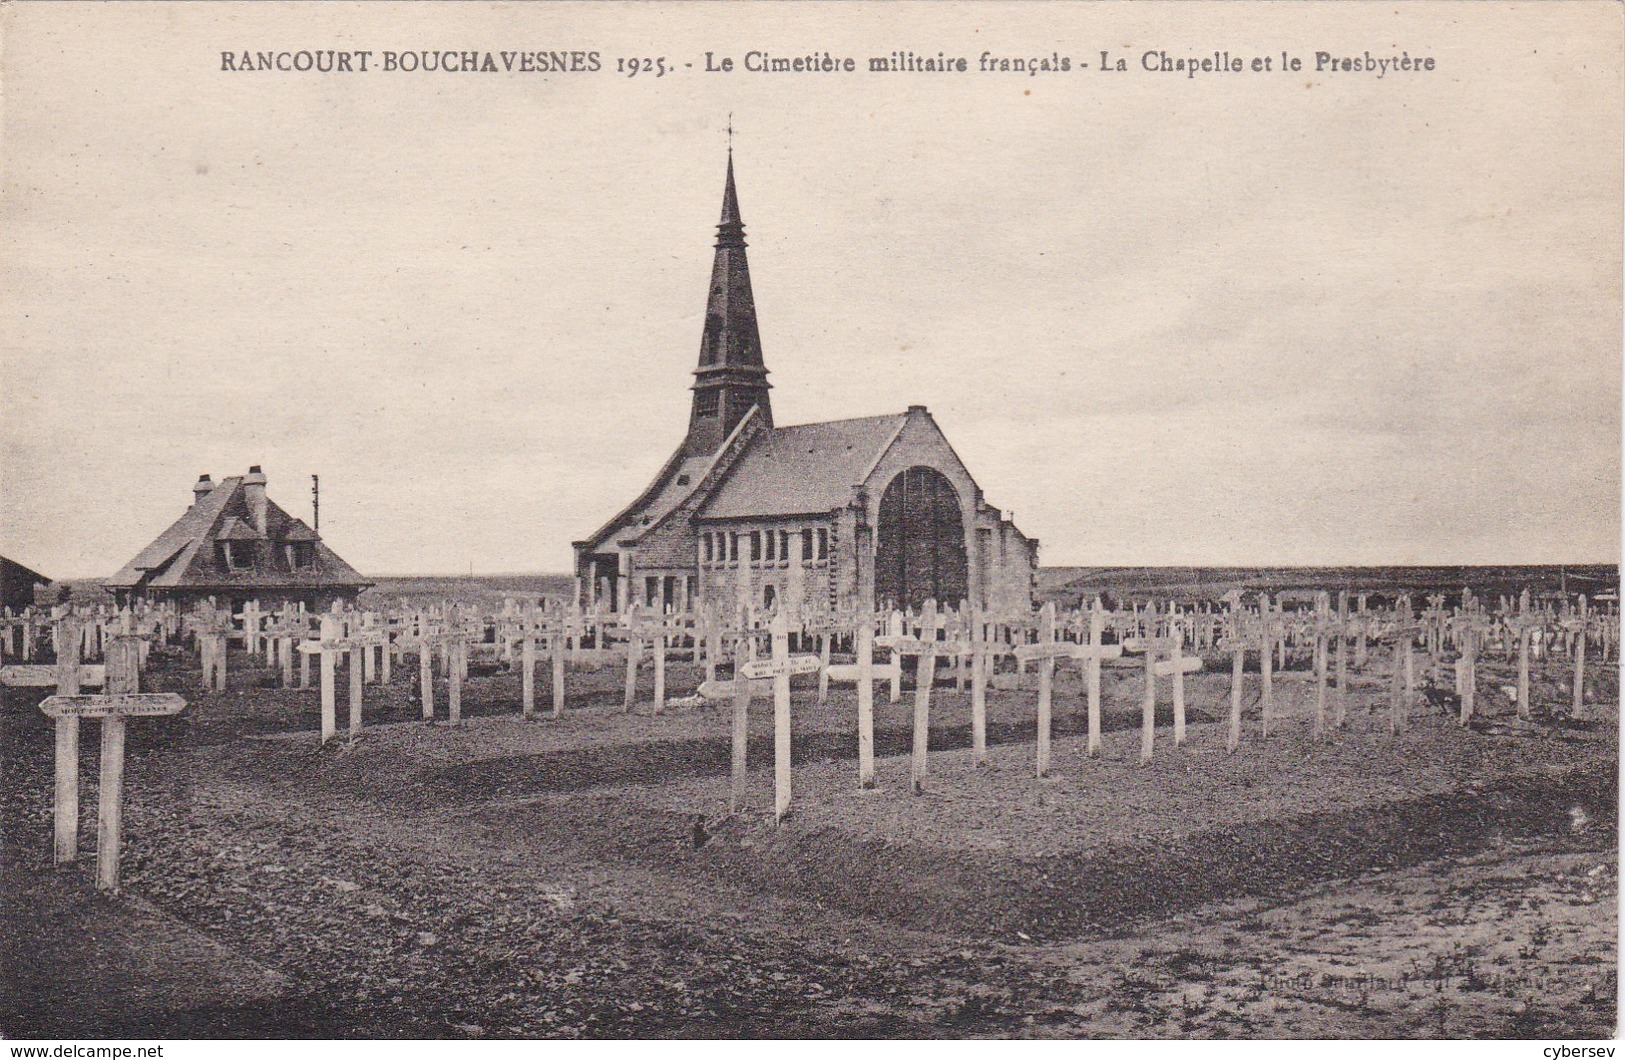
<point x="731" y="377"/>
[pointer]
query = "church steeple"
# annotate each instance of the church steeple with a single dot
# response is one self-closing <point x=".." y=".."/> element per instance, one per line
<point x="731" y="377"/>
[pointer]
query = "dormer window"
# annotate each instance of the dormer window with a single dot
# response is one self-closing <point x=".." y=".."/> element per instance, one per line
<point x="682" y="480"/>
<point x="235" y="555"/>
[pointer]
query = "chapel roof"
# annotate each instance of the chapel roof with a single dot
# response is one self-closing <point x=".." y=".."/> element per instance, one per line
<point x="802" y="470"/>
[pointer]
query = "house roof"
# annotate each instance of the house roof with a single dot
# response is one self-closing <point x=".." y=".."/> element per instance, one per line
<point x="193" y="524"/>
<point x="234" y="529"/>
<point x="14" y="570"/>
<point x="184" y="554"/>
<point x="298" y="531"/>
<point x="802" y="470"/>
<point x="17" y="584"/>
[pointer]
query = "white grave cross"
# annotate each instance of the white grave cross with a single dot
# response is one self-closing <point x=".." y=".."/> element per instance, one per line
<point x="110" y="710"/>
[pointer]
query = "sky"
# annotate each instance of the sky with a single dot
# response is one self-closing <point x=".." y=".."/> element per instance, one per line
<point x="1253" y="319"/>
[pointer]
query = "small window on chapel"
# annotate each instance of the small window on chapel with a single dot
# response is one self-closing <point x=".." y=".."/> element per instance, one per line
<point x="705" y="403"/>
<point x="682" y="480"/>
<point x="756" y="546"/>
<point x="823" y="543"/>
<point x="807" y="544"/>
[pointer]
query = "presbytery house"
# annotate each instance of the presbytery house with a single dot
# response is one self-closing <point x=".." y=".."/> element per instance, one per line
<point x="846" y="514"/>
<point x="236" y="544"/>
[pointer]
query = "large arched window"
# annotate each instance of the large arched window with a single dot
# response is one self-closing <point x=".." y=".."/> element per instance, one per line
<point x="920" y="542"/>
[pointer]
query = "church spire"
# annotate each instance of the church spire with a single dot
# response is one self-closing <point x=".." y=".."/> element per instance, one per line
<point x="731" y="377"/>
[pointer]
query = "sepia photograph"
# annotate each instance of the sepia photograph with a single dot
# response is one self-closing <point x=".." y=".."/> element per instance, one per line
<point x="752" y="520"/>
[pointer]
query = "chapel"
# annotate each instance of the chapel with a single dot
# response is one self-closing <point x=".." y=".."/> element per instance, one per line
<point x="845" y="514"/>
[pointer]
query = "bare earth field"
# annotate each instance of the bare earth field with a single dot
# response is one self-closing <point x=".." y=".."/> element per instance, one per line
<point x="581" y="876"/>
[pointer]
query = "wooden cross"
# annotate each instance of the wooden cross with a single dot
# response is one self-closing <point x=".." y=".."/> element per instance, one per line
<point x="1467" y="627"/>
<point x="1577" y="624"/>
<point x="976" y="629"/>
<point x="564" y="630"/>
<point x="1177" y="665"/>
<point x="850" y="673"/>
<point x="1325" y="625"/>
<point x="1260" y="632"/>
<point x="420" y="639"/>
<point x="68" y="676"/>
<point x="329" y="647"/>
<point x="18" y="640"/>
<point x="925" y="650"/>
<point x="282" y="636"/>
<point x="556" y="629"/>
<point x="211" y="628"/>
<point x="1401" y="633"/>
<point x="779" y="667"/>
<point x="864" y="646"/>
<point x="251" y="617"/>
<point x="378" y="634"/>
<point x="21" y="675"/>
<point x="1524" y="624"/>
<point x="634" y="627"/>
<point x="453" y="645"/>
<point x="1362" y="631"/>
<point x="743" y="644"/>
<point x="1047" y="650"/>
<point x="111" y="710"/>
<point x="524" y="630"/>
<point x="1340" y="639"/>
<point x="825" y="625"/>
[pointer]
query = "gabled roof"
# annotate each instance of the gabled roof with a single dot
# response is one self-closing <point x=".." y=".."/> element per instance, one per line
<point x="193" y="524"/>
<point x="802" y="470"/>
<point x="234" y="529"/>
<point x="298" y="531"/>
<point x="676" y="481"/>
<point x="17" y="584"/>
<point x="184" y="554"/>
<point x="682" y="482"/>
<point x="14" y="570"/>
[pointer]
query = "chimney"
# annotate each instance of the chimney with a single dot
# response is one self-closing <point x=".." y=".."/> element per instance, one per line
<point x="201" y="488"/>
<point x="254" y="493"/>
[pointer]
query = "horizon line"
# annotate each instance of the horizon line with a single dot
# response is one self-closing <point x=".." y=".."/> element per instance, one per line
<point x="1042" y="567"/>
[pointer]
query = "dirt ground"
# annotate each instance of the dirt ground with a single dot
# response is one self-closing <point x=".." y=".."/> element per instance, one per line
<point x="581" y="876"/>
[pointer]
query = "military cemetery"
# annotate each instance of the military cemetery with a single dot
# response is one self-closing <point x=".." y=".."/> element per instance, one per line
<point x="799" y="731"/>
<point x="871" y="708"/>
